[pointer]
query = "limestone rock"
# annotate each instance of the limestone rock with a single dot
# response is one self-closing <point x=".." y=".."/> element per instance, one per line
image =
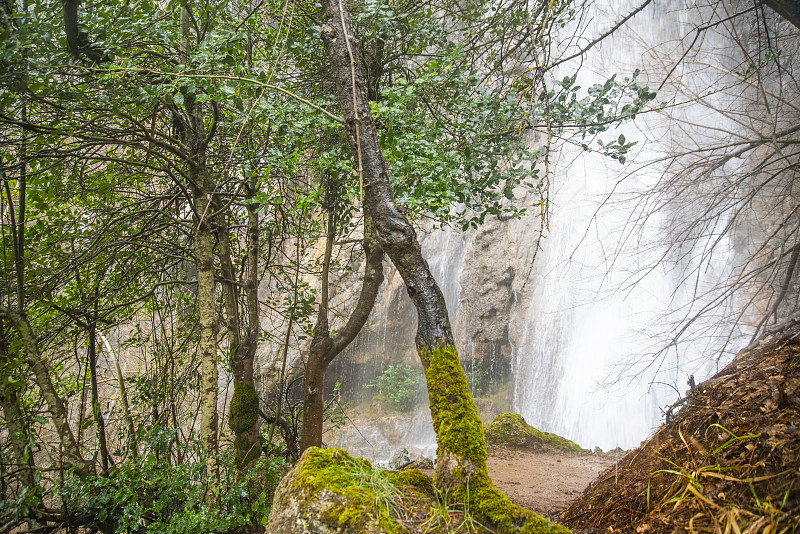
<point x="322" y="495"/>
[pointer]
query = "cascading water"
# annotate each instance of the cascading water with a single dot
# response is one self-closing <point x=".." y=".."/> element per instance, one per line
<point x="600" y="287"/>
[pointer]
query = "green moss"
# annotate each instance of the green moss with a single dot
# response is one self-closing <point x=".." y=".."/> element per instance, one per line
<point x="243" y="412"/>
<point x="330" y="468"/>
<point x="349" y="516"/>
<point x="455" y="419"/>
<point x="245" y="452"/>
<point x="488" y="502"/>
<point x="511" y="430"/>
<point x="413" y="478"/>
<point x="348" y="478"/>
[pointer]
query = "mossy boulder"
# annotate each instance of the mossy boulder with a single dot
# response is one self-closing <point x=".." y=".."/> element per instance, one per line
<point x="510" y="430"/>
<point x="327" y="492"/>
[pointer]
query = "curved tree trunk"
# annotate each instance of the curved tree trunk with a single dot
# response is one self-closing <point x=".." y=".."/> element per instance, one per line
<point x="461" y="453"/>
<point x="325" y="348"/>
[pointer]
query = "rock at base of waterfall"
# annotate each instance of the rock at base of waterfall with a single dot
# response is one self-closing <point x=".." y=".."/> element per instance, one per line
<point x="510" y="430"/>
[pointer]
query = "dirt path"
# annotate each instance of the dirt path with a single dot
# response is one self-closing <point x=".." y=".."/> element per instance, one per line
<point x="545" y="482"/>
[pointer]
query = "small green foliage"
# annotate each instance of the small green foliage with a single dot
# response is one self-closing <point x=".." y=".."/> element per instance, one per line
<point x="511" y="430"/>
<point x="400" y="387"/>
<point x="479" y="381"/>
<point x="243" y="409"/>
<point x="149" y="495"/>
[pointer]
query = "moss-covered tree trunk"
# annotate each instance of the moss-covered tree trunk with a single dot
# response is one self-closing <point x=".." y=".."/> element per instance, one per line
<point x="18" y="434"/>
<point x="241" y="318"/>
<point x="461" y="453"/>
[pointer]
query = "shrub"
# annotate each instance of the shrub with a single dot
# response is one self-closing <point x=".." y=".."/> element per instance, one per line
<point x="149" y="495"/>
<point x="400" y="386"/>
<point x="479" y="381"/>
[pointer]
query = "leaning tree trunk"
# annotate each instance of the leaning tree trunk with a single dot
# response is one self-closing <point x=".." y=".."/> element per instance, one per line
<point x="461" y="453"/>
<point x="55" y="404"/>
<point x="324" y="347"/>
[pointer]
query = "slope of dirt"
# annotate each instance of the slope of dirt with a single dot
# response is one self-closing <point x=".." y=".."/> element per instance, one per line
<point x="727" y="462"/>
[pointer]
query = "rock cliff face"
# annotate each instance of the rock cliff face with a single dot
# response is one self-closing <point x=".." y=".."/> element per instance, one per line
<point x="498" y="260"/>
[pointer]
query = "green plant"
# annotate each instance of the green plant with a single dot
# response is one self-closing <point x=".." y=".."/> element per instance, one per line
<point x="148" y="494"/>
<point x="386" y="493"/>
<point x="334" y="413"/>
<point x="400" y="386"/>
<point x="451" y="518"/>
<point x="401" y="459"/>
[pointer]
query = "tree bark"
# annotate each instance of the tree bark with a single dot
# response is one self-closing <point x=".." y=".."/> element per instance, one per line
<point x="206" y="304"/>
<point x="461" y="453"/>
<point x="97" y="411"/>
<point x="55" y="403"/>
<point x="15" y="419"/>
<point x="395" y="234"/>
<point x="77" y="40"/>
<point x="133" y="445"/>
<point x="325" y="348"/>
<point x="243" y="417"/>
<point x="192" y="125"/>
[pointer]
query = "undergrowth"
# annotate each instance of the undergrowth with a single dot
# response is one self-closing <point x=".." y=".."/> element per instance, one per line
<point x="152" y="494"/>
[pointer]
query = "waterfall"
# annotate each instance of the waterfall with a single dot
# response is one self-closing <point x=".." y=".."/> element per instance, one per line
<point x="592" y="360"/>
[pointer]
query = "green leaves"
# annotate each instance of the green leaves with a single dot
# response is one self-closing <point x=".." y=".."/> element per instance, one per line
<point x="400" y="386"/>
<point x="605" y="105"/>
<point x="149" y="495"/>
<point x="450" y="143"/>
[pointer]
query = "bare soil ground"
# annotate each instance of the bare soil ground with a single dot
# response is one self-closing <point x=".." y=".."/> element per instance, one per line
<point x="546" y="481"/>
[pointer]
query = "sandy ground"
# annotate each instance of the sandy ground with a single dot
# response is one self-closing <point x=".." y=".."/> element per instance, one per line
<point x="546" y="482"/>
